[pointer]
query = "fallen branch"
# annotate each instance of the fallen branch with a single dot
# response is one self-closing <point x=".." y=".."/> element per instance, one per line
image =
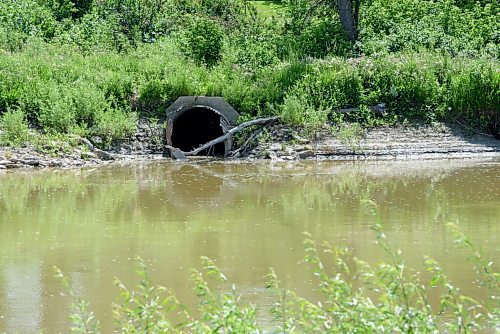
<point x="242" y="149"/>
<point x="230" y="133"/>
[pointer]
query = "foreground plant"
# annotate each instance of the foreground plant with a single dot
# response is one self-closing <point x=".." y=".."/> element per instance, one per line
<point x="357" y="297"/>
<point x="386" y="298"/>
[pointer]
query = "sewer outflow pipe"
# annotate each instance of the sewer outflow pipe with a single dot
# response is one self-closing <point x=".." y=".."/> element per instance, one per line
<point x="196" y="120"/>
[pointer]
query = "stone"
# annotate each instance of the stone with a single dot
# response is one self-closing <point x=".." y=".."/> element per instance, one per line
<point x="298" y="148"/>
<point x="306" y="154"/>
<point x="55" y="163"/>
<point x="4" y="162"/>
<point x="88" y="155"/>
<point x="271" y="155"/>
<point x="275" y="147"/>
<point x="66" y="162"/>
<point x="96" y="140"/>
<point x="16" y="160"/>
<point x="87" y="143"/>
<point x="177" y="154"/>
<point x="379" y="109"/>
<point x="302" y="140"/>
<point x="32" y="162"/>
<point x="3" y="167"/>
<point x="137" y="146"/>
<point x="103" y="155"/>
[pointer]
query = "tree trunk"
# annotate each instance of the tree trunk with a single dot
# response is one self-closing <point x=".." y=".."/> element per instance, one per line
<point x="348" y="13"/>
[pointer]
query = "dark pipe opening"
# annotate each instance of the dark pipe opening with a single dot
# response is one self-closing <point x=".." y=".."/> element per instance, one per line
<point x="195" y="127"/>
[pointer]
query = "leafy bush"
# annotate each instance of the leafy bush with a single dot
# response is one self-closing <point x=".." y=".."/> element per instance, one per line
<point x="407" y="84"/>
<point x="312" y="29"/>
<point x="448" y="25"/>
<point x="58" y="111"/>
<point x="203" y="40"/>
<point x="295" y="109"/>
<point x="230" y="11"/>
<point x="256" y="43"/>
<point x="14" y="129"/>
<point x="138" y="20"/>
<point x="92" y="32"/>
<point x="27" y="18"/>
<point x="68" y="9"/>
<point x="474" y="96"/>
<point x="114" y="124"/>
<point x="401" y="304"/>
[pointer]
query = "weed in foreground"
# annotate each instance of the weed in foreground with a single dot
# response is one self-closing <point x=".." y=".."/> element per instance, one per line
<point x="357" y="297"/>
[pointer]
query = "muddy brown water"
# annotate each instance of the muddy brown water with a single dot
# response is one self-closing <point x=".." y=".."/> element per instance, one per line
<point x="92" y="223"/>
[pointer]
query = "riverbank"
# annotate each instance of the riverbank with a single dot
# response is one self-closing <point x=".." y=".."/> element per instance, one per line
<point x="381" y="143"/>
<point x="277" y="143"/>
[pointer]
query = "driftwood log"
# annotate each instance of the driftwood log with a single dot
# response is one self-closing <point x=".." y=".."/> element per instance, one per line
<point x="181" y="155"/>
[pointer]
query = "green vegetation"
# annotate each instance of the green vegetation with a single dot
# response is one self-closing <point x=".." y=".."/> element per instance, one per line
<point x="356" y="297"/>
<point x="93" y="67"/>
<point x="269" y="8"/>
<point x="15" y="128"/>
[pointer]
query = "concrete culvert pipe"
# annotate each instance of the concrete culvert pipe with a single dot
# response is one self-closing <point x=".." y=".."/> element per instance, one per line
<point x="194" y="121"/>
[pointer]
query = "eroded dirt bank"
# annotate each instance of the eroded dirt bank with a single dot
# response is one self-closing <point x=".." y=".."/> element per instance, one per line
<point x="281" y="142"/>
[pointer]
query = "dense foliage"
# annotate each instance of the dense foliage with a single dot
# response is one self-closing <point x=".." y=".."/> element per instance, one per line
<point x="356" y="297"/>
<point x="93" y="67"/>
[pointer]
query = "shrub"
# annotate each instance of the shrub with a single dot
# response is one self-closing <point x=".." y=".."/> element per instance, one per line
<point x="297" y="110"/>
<point x="57" y="111"/>
<point x="202" y="41"/>
<point x="27" y="18"/>
<point x="330" y="86"/>
<point x="312" y="30"/>
<point x="14" y="128"/>
<point x="138" y="20"/>
<point x="408" y="84"/>
<point x="474" y="95"/>
<point x="114" y="124"/>
<point x="394" y="25"/>
<point x="475" y="87"/>
<point x="255" y="45"/>
<point x="92" y="32"/>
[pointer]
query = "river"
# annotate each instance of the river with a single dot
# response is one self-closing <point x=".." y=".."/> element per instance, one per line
<point x="92" y="223"/>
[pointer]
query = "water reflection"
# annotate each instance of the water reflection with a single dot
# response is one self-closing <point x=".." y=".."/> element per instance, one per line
<point x="23" y="292"/>
<point x="92" y="223"/>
